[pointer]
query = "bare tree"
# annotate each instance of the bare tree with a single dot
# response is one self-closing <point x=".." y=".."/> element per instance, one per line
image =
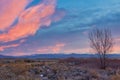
<point x="101" y="42"/>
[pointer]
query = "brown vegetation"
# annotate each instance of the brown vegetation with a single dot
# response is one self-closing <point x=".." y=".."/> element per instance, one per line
<point x="61" y="69"/>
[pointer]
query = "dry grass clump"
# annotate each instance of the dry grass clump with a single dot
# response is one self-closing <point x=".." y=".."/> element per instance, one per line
<point x="18" y="68"/>
<point x="115" y="77"/>
<point x="1" y="65"/>
<point x="94" y="74"/>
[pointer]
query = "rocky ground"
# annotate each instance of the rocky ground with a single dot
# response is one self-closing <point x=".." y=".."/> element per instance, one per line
<point x="53" y="70"/>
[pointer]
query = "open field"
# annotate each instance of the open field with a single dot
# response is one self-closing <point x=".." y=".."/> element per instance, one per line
<point x="58" y="69"/>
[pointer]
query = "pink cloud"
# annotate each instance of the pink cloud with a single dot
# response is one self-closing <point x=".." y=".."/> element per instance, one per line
<point x="9" y="10"/>
<point x="16" y="54"/>
<point x="30" y="20"/>
<point x="58" y="15"/>
<point x="55" y="49"/>
<point x="3" y="47"/>
<point x="116" y="49"/>
<point x="8" y="46"/>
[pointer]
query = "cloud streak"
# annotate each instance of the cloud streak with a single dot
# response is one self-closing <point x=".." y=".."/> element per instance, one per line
<point x="54" y="49"/>
<point x="3" y="47"/>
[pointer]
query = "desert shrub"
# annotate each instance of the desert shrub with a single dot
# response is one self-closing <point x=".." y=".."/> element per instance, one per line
<point x="115" y="77"/>
<point x="1" y="65"/>
<point x="28" y="61"/>
<point x="94" y="74"/>
<point x="19" y="68"/>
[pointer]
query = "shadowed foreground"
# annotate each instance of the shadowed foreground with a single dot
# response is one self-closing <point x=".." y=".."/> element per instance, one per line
<point x="58" y="69"/>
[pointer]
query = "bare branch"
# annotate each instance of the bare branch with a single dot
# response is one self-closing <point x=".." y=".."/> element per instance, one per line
<point x="101" y="42"/>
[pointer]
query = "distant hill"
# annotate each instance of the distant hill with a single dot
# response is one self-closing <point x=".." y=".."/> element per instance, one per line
<point x="68" y="55"/>
<point x="61" y="56"/>
<point x="2" y="56"/>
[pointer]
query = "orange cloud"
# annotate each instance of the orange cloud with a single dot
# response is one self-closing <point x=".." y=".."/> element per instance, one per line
<point x="55" y="49"/>
<point x="10" y="11"/>
<point x="30" y="20"/>
<point x="116" y="49"/>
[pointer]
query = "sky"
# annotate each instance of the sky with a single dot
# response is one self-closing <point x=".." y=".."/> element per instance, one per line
<point x="29" y="27"/>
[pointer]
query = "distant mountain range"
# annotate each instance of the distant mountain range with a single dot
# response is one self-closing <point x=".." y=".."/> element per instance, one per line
<point x="61" y="56"/>
<point x="2" y="56"/>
